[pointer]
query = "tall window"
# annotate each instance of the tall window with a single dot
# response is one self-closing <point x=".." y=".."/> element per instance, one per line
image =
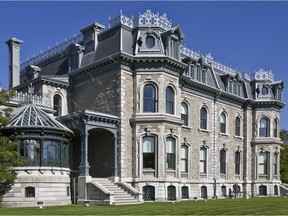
<point x="169" y="100"/>
<point x="275" y="128"/>
<point x="204" y="194"/>
<point x="263" y="163"/>
<point x="264" y="128"/>
<point x="275" y="157"/>
<point x="184" y="159"/>
<point x="237" y="126"/>
<point x="185" y="192"/>
<point x="203" y="160"/>
<point x="149" y="98"/>
<point x="57" y="105"/>
<point x="203" y="118"/>
<point x="170" y="151"/>
<point x="237" y="163"/>
<point x="222" y="161"/>
<point x="203" y="76"/>
<point x="51" y="153"/>
<point x="184" y="114"/>
<point x="148" y="152"/>
<point x="222" y="123"/>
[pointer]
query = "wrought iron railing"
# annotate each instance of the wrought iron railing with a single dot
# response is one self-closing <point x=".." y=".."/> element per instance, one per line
<point x="51" y="52"/>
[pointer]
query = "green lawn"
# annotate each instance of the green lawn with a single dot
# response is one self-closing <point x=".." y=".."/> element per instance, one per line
<point x="253" y="206"/>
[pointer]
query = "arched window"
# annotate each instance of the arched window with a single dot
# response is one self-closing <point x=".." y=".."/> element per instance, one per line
<point x="184" y="159"/>
<point x="169" y="100"/>
<point x="149" y="98"/>
<point x="222" y="123"/>
<point x="149" y="152"/>
<point x="29" y="192"/>
<point x="263" y="163"/>
<point x="222" y="161"/>
<point x="203" y="160"/>
<point x="203" y="118"/>
<point x="237" y="126"/>
<point x="237" y="162"/>
<point x="170" y="153"/>
<point x="57" y="105"/>
<point x="185" y="192"/>
<point x="171" y="192"/>
<point x="184" y="113"/>
<point x="149" y="193"/>
<point x="275" y="128"/>
<point x="264" y="128"/>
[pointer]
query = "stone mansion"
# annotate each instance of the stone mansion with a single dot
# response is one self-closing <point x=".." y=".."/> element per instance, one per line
<point x="127" y="114"/>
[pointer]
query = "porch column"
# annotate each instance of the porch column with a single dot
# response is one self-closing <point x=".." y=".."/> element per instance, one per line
<point x="84" y="166"/>
<point x="115" y="171"/>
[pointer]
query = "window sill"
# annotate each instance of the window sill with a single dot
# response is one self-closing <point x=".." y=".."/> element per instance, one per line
<point x="187" y="127"/>
<point x="148" y="170"/>
<point x="204" y="131"/>
<point x="224" y="134"/>
<point x="239" y="137"/>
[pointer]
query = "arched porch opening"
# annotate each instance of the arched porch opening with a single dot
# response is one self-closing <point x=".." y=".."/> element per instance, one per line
<point x="101" y="153"/>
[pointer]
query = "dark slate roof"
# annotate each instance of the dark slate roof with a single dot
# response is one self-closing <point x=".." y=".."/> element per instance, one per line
<point x="33" y="116"/>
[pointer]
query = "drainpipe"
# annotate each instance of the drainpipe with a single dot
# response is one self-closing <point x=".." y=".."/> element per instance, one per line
<point x="214" y="142"/>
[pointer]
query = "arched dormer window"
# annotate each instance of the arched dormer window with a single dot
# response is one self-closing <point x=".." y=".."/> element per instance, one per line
<point x="74" y="54"/>
<point x="203" y="118"/>
<point x="237" y="126"/>
<point x="275" y="128"/>
<point x="170" y="97"/>
<point x="184" y="113"/>
<point x="57" y="105"/>
<point x="264" y="128"/>
<point x="149" y="98"/>
<point x="223" y="123"/>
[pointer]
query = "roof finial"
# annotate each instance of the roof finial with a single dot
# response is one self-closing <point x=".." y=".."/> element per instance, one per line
<point x="30" y="89"/>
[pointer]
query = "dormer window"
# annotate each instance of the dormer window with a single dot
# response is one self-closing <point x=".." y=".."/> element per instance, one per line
<point x="264" y="90"/>
<point x="74" y="54"/>
<point x="150" y="41"/>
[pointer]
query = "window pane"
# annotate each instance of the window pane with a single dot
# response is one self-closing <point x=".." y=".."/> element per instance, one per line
<point x="184" y="113"/>
<point x="149" y="152"/>
<point x="169" y="100"/>
<point x="148" y="145"/>
<point x="170" y="145"/>
<point x="149" y="99"/>
<point x="203" y="118"/>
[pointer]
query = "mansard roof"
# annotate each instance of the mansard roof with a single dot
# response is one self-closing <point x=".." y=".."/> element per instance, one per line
<point x="33" y="116"/>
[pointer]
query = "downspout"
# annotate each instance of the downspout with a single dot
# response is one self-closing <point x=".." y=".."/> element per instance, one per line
<point x="218" y="94"/>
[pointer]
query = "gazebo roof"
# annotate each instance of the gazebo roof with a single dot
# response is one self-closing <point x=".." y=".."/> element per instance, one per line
<point x="33" y="116"/>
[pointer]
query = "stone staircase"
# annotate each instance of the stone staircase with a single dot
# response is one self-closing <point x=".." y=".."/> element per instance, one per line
<point x="103" y="191"/>
<point x="284" y="189"/>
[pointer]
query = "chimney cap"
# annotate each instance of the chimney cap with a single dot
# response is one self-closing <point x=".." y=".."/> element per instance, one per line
<point x="94" y="26"/>
<point x="14" y="41"/>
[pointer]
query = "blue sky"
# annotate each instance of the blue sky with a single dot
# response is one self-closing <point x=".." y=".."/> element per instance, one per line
<point x="244" y="35"/>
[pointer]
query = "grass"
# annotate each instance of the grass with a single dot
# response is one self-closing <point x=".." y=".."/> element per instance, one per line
<point x="253" y="206"/>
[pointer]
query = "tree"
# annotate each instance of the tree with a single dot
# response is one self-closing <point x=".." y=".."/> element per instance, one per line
<point x="284" y="158"/>
<point x="9" y="157"/>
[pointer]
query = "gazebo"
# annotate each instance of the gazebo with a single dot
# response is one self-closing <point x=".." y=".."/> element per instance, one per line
<point x="44" y="142"/>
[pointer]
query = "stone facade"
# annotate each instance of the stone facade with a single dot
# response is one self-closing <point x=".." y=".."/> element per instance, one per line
<point x="169" y="121"/>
